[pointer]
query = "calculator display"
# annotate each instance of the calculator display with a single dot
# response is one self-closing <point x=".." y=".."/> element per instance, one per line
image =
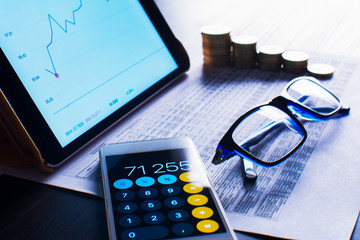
<point x="162" y="195"/>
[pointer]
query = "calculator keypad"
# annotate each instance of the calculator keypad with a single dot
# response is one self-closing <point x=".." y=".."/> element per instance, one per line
<point x="170" y="205"/>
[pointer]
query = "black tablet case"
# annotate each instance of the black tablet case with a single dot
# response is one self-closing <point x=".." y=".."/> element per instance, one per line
<point x="16" y="147"/>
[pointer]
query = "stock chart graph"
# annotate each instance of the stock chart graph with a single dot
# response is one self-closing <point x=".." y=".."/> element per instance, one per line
<point x="80" y="60"/>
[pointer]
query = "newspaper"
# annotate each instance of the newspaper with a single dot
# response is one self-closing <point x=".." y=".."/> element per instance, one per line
<point x="313" y="195"/>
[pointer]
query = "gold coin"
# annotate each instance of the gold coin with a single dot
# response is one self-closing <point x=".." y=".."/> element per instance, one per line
<point x="271" y="50"/>
<point x="244" y="51"/>
<point x="269" y="58"/>
<point x="321" y="70"/>
<point x="216" y="30"/>
<point x="244" y="40"/>
<point x="295" y="62"/>
<point x="216" y="45"/>
<point x="295" y="56"/>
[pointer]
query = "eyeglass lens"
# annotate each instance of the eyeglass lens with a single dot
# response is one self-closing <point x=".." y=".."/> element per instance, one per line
<point x="313" y="96"/>
<point x="268" y="134"/>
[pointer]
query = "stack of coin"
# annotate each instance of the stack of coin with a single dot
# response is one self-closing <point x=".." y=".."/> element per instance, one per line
<point x="216" y="45"/>
<point x="244" y="51"/>
<point x="295" y="62"/>
<point x="269" y="58"/>
<point x="321" y="70"/>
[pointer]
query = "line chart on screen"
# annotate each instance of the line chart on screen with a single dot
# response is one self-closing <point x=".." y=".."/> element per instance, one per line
<point x="72" y="53"/>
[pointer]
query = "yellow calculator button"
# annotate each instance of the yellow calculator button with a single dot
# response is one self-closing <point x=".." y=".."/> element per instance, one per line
<point x="193" y="188"/>
<point x="207" y="226"/>
<point x="188" y="177"/>
<point x="202" y="212"/>
<point x="197" y="199"/>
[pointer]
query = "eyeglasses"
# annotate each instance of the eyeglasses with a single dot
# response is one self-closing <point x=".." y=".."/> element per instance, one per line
<point x="268" y="134"/>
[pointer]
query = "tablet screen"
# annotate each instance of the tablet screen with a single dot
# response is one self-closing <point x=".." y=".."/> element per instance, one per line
<point x="81" y="60"/>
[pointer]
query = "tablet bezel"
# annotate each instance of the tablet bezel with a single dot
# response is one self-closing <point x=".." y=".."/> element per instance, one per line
<point x="37" y="128"/>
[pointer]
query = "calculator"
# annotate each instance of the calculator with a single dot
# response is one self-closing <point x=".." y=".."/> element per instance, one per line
<point x="159" y="189"/>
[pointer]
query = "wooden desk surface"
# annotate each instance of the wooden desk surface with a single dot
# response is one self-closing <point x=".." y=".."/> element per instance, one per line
<point x="31" y="211"/>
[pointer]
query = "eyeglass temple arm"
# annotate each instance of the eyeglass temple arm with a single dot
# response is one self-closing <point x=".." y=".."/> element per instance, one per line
<point x="248" y="166"/>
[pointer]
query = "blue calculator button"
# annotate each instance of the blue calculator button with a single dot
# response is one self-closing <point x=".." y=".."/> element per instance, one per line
<point x="145" y="181"/>
<point x="170" y="190"/>
<point x="129" y="221"/>
<point x="127" y="207"/>
<point x="174" y="202"/>
<point x="178" y="215"/>
<point x="145" y="233"/>
<point x="148" y="193"/>
<point x="150" y="205"/>
<point x="154" y="218"/>
<point x="167" y="179"/>
<point x="125" y="195"/>
<point x="123" y="184"/>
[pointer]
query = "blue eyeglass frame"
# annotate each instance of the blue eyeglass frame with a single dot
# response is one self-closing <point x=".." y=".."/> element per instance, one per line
<point x="227" y="148"/>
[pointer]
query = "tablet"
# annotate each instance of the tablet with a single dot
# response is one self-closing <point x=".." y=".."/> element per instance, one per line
<point x="70" y="69"/>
